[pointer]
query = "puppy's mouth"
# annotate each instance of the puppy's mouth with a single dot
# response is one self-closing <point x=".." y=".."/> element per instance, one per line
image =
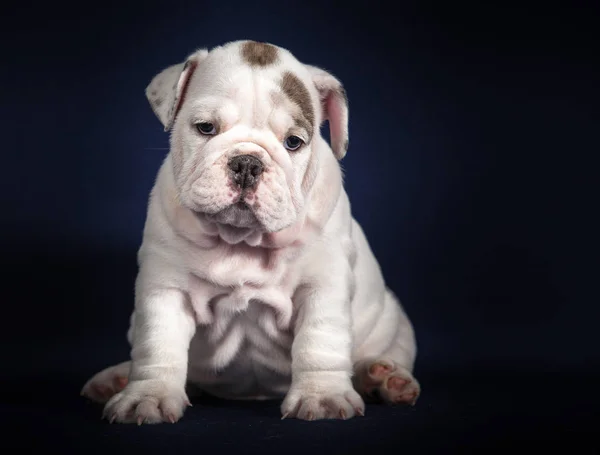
<point x="239" y="215"/>
<point x="241" y="205"/>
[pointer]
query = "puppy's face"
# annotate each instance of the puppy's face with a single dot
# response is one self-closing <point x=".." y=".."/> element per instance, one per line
<point x="245" y="122"/>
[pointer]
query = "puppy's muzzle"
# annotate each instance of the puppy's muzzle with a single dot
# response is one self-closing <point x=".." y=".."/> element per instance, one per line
<point x="246" y="170"/>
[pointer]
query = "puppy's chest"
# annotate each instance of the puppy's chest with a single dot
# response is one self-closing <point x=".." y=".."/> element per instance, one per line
<point x="243" y="306"/>
<point x="269" y="307"/>
<point x="223" y="282"/>
<point x="255" y="321"/>
<point x="236" y="265"/>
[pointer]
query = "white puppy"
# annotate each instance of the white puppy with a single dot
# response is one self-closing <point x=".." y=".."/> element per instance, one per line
<point x="254" y="280"/>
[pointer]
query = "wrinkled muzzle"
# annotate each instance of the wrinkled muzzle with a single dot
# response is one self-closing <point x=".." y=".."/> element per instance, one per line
<point x="244" y="189"/>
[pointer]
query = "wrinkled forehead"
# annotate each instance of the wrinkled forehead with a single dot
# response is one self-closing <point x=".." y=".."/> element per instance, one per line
<point x="249" y="72"/>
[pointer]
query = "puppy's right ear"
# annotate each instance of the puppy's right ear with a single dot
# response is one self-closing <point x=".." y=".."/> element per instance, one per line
<point x="334" y="105"/>
<point x="167" y="89"/>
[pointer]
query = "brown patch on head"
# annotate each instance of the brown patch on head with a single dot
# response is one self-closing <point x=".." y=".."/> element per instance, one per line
<point x="297" y="92"/>
<point x="259" y="54"/>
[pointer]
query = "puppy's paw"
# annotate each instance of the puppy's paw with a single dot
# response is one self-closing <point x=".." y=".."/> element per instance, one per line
<point x="147" y="401"/>
<point x="103" y="385"/>
<point x="307" y="402"/>
<point x="390" y="382"/>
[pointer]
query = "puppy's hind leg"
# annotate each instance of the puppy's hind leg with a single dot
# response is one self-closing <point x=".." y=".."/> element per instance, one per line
<point x="387" y="376"/>
<point x="103" y="385"/>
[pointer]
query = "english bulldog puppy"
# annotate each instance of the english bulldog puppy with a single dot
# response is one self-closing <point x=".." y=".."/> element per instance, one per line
<point x="255" y="281"/>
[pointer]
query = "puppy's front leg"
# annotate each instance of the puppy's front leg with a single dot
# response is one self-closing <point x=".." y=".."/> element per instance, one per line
<point x="163" y="328"/>
<point x="321" y="351"/>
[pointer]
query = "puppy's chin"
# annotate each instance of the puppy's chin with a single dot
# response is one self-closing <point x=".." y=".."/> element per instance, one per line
<point x="234" y="224"/>
<point x="237" y="215"/>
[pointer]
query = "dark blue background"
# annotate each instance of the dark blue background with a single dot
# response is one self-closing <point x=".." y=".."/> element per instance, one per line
<point x="473" y="143"/>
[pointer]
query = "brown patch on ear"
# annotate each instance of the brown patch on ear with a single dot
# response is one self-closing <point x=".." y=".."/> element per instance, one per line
<point x="259" y="54"/>
<point x="297" y="92"/>
<point x="187" y="72"/>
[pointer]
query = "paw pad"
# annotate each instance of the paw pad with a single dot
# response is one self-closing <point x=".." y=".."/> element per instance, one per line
<point x="396" y="383"/>
<point x="380" y="370"/>
<point x="390" y="383"/>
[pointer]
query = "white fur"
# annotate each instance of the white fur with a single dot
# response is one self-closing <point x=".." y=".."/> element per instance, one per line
<point x="285" y="305"/>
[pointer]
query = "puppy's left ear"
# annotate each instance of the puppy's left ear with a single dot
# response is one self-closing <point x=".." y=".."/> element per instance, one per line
<point x="334" y="107"/>
<point x="167" y="89"/>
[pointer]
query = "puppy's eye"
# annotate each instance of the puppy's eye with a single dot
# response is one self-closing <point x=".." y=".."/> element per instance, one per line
<point x="206" y="128"/>
<point x="293" y="143"/>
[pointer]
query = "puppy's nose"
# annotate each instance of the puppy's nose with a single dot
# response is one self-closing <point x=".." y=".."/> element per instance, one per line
<point x="246" y="170"/>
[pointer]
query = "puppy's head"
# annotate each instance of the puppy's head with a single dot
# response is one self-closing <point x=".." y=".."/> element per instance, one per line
<point x="245" y="132"/>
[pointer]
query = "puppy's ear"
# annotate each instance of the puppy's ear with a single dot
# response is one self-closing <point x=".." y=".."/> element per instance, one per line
<point x="167" y="89"/>
<point x="334" y="107"/>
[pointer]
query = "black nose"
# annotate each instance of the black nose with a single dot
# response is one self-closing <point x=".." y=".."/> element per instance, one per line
<point x="246" y="170"/>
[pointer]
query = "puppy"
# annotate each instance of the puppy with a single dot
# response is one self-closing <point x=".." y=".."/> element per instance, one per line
<point x="255" y="281"/>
